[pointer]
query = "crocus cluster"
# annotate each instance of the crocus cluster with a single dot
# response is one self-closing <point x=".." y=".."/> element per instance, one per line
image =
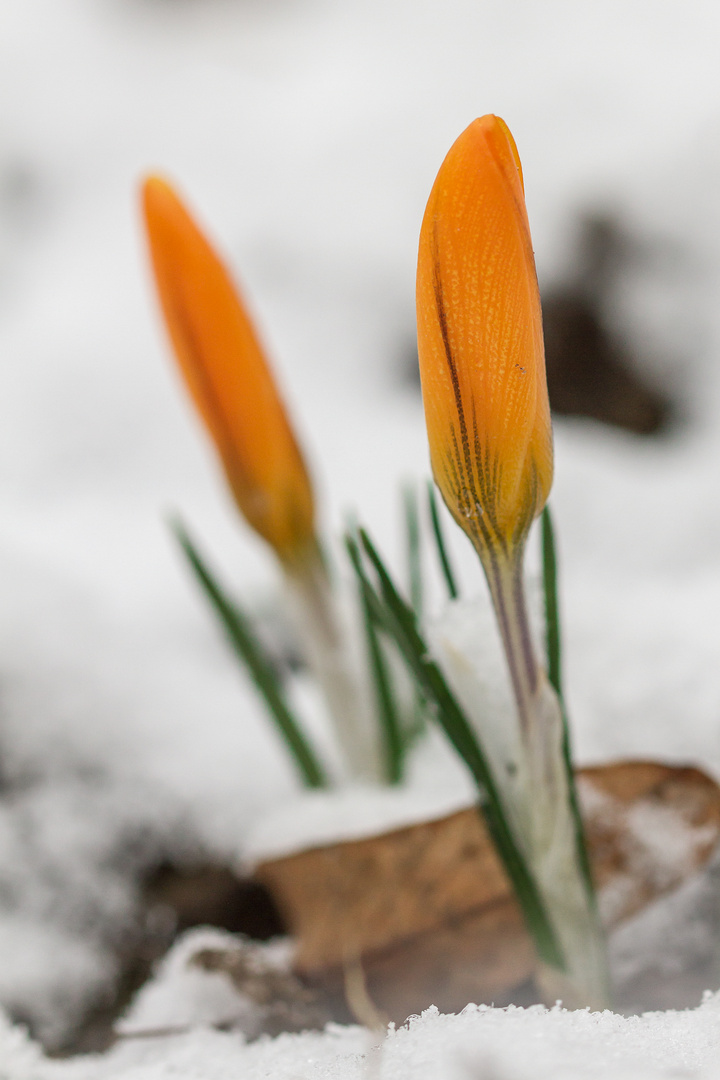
<point x="485" y="395"/>
<point x="228" y="375"/>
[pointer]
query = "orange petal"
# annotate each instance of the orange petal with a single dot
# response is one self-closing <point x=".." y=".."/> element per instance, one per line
<point x="480" y="342"/>
<point x="228" y="377"/>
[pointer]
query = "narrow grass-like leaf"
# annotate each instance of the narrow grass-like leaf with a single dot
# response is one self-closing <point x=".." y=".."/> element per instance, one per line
<point x="553" y="642"/>
<point x="400" y="622"/>
<point x="412" y="539"/>
<point x="248" y="648"/>
<point x="440" y="543"/>
<point x="391" y="730"/>
<point x="552" y="613"/>
<point x="387" y="711"/>
<point x="416" y="723"/>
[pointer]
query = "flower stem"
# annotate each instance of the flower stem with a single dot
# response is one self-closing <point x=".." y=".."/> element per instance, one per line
<point x="504" y="576"/>
<point x="327" y="654"/>
<point x="545" y="818"/>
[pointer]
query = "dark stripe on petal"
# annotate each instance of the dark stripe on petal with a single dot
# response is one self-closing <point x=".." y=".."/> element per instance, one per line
<point x="488" y="489"/>
<point x="464" y="460"/>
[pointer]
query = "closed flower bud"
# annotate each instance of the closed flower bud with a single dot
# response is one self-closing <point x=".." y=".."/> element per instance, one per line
<point x="480" y="342"/>
<point x="229" y="379"/>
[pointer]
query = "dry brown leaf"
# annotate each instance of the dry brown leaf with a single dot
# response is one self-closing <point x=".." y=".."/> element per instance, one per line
<point x="429" y="911"/>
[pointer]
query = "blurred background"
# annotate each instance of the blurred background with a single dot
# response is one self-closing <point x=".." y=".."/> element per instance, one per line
<point x="306" y="135"/>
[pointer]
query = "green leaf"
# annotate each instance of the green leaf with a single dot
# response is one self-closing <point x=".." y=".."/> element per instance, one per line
<point x="400" y="622"/>
<point x="388" y="713"/>
<point x="246" y="644"/>
<point x="412" y="535"/>
<point x="440" y="543"/>
<point x="552" y="612"/>
<point x="416" y="723"/>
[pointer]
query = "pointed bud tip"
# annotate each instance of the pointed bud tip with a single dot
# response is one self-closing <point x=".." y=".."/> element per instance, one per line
<point x="159" y="200"/>
<point x="154" y="186"/>
<point x="491" y="133"/>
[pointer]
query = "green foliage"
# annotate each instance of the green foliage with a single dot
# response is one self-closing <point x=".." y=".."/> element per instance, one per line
<point x="552" y="612"/>
<point x="388" y="713"/>
<point x="412" y="537"/>
<point x="440" y="543"/>
<point x="248" y="647"/>
<point x="391" y="622"/>
<point x="389" y="608"/>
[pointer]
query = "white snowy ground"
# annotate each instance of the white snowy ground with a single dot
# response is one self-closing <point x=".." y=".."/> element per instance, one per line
<point x="481" y="1043"/>
<point x="307" y="135"/>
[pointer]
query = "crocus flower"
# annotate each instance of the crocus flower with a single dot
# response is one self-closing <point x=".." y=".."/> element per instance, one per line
<point x="480" y="342"/>
<point x="482" y="367"/>
<point x="483" y="373"/>
<point x="229" y="379"/>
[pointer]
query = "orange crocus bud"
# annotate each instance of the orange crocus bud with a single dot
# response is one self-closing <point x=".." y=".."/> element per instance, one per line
<point x="480" y="342"/>
<point x="227" y="374"/>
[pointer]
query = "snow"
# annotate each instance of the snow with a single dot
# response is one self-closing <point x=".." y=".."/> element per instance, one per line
<point x="181" y="995"/>
<point x="307" y="136"/>
<point x="505" y="1044"/>
<point x="322" y="818"/>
